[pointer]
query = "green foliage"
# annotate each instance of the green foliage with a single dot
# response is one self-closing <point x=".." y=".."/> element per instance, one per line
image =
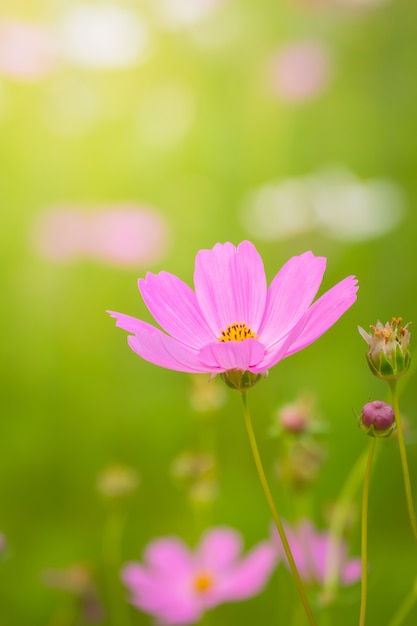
<point x="75" y="400"/>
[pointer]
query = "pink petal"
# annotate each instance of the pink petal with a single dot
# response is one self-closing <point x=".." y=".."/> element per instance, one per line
<point x="169" y="555"/>
<point x="131" y="324"/>
<point x="180" y="615"/>
<point x="289" y="296"/>
<point x="219" y="548"/>
<point x="137" y="579"/>
<point x="352" y="572"/>
<point x="174" y="306"/>
<point x="230" y="285"/>
<point x="249" y="577"/>
<point x="279" y="350"/>
<point x="145" y="588"/>
<point x="170" y="607"/>
<point x="231" y="355"/>
<point x="297" y="550"/>
<point x="160" y="349"/>
<point x="325" y="312"/>
<point x="317" y="545"/>
<point x="164" y="589"/>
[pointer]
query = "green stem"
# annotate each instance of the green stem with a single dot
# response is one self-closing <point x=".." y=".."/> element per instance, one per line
<point x="112" y="534"/>
<point x="341" y="512"/>
<point x="276" y="517"/>
<point x="406" y="607"/>
<point x="364" y="538"/>
<point x="404" y="463"/>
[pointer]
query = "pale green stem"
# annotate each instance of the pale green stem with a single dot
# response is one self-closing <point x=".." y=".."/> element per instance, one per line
<point x="112" y="534"/>
<point x="276" y="517"/>
<point x="364" y="533"/>
<point x="406" y="607"/>
<point x="341" y="512"/>
<point x="404" y="462"/>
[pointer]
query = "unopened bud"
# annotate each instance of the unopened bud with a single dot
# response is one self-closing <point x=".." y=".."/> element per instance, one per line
<point x="377" y="419"/>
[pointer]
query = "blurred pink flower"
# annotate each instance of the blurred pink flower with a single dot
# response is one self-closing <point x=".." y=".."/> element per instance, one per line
<point x="177" y="585"/>
<point x="127" y="235"/>
<point x="300" y="70"/>
<point x="59" y="234"/>
<point x="123" y="235"/>
<point x="27" y="50"/>
<point x="311" y="551"/>
<point x="232" y="321"/>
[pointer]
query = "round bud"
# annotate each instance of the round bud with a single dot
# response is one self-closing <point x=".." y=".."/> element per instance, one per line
<point x="377" y="419"/>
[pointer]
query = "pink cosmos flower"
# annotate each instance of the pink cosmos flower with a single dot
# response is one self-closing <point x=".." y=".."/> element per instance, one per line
<point x="177" y="585"/>
<point x="232" y="320"/>
<point x="27" y="50"/>
<point x="311" y="552"/>
<point x="300" y="70"/>
<point x="123" y="235"/>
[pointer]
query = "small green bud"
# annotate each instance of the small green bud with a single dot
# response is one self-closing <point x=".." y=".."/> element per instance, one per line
<point x="377" y="419"/>
<point x="241" y="380"/>
<point x="389" y="355"/>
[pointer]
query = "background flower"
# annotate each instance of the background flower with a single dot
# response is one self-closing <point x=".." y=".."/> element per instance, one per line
<point x="27" y="50"/>
<point x="314" y="551"/>
<point x="177" y="585"/>
<point x="121" y="235"/>
<point x="299" y="71"/>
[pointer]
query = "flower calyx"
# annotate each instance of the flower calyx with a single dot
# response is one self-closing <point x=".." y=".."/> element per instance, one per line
<point x="241" y="380"/>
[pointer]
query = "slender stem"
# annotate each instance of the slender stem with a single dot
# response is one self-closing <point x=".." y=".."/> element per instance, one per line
<point x="364" y="538"/>
<point x="276" y="517"/>
<point x="112" y="534"/>
<point x="341" y="513"/>
<point x="406" y="607"/>
<point x="404" y="462"/>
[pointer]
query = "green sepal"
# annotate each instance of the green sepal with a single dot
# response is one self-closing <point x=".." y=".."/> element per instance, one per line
<point x="385" y="369"/>
<point x="372" y="432"/>
<point x="240" y="380"/>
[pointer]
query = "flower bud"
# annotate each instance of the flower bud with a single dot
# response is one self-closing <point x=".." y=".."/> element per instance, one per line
<point x="389" y="355"/>
<point x="377" y="419"/>
<point x="117" y="481"/>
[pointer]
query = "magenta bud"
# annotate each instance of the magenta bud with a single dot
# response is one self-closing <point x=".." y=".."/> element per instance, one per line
<point x="377" y="419"/>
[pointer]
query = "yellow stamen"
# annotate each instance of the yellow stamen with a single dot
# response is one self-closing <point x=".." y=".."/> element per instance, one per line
<point x="391" y="330"/>
<point x="203" y="582"/>
<point x="237" y="332"/>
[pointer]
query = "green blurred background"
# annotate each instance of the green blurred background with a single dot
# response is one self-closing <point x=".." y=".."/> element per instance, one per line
<point x="290" y="123"/>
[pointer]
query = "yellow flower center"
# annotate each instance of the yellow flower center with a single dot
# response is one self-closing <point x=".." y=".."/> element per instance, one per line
<point x="236" y="332"/>
<point x="203" y="582"/>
